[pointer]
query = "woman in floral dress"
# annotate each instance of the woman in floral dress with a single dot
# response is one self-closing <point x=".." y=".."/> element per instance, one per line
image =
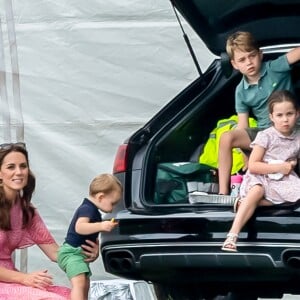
<point x="21" y="226"/>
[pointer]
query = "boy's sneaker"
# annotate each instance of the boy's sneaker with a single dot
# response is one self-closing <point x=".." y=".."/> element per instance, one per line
<point x="236" y="204"/>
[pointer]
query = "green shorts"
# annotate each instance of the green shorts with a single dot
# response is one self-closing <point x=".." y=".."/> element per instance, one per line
<point x="71" y="260"/>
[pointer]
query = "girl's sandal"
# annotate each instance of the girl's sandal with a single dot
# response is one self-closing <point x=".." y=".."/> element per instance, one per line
<point x="230" y="243"/>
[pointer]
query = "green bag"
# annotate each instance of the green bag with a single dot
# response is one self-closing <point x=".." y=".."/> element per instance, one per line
<point x="174" y="181"/>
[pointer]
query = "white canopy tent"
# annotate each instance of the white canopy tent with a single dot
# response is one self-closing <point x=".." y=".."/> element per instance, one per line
<point x="90" y="73"/>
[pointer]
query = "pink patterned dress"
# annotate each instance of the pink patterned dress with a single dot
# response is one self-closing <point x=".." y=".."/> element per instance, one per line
<point x="18" y="238"/>
<point x="278" y="147"/>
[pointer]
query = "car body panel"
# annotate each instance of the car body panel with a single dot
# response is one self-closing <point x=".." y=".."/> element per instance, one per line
<point x="184" y="249"/>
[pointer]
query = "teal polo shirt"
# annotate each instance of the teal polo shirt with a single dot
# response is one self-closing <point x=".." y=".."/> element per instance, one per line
<point x="275" y="75"/>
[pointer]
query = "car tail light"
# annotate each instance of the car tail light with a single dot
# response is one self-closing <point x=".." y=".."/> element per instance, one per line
<point x="120" y="163"/>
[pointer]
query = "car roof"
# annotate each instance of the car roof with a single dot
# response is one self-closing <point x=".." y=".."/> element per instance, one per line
<point x="273" y="22"/>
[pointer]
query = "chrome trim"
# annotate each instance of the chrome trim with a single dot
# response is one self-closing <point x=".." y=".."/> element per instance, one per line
<point x="201" y="244"/>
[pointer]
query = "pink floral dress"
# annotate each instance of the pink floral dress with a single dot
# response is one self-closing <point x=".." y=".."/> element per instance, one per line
<point x="278" y="147"/>
<point x="18" y="238"/>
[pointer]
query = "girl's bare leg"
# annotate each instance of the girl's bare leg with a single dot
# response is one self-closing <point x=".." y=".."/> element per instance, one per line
<point x="264" y="202"/>
<point x="245" y="211"/>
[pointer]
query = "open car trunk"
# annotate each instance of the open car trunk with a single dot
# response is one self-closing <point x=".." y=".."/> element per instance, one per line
<point x="179" y="169"/>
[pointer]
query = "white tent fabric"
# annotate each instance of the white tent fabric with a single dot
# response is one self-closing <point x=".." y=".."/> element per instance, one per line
<point x="91" y="73"/>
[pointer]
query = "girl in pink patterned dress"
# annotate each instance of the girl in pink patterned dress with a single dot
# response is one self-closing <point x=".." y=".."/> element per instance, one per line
<point x="21" y="226"/>
<point x="270" y="175"/>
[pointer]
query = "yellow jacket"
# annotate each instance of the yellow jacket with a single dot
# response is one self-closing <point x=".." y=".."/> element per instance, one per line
<point x="210" y="152"/>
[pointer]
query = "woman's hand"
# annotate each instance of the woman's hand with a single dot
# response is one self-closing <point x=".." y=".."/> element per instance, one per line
<point x="38" y="279"/>
<point x="91" y="251"/>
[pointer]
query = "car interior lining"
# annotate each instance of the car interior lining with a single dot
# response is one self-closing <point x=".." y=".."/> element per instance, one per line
<point x="188" y="138"/>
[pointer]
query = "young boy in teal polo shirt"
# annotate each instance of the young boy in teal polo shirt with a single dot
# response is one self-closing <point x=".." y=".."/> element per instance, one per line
<point x="259" y="80"/>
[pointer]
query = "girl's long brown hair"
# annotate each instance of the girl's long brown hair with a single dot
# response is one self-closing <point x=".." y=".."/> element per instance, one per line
<point x="26" y="205"/>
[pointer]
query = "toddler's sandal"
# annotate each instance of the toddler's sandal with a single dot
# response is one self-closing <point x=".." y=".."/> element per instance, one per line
<point x="230" y="243"/>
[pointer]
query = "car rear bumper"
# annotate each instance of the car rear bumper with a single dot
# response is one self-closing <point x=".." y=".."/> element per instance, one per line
<point x="204" y="265"/>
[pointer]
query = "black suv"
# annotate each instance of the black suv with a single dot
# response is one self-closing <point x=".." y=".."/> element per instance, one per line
<point x="173" y="241"/>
